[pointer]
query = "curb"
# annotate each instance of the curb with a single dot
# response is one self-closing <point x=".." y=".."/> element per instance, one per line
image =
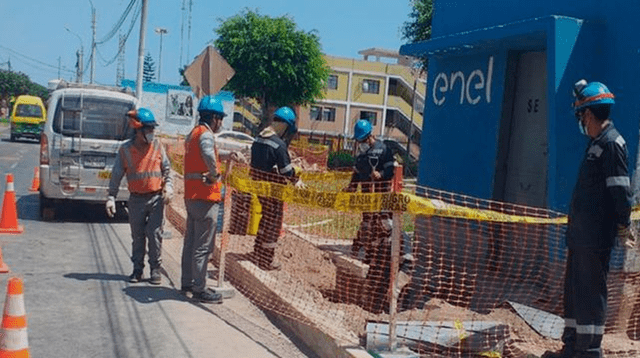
<point x="319" y="342"/>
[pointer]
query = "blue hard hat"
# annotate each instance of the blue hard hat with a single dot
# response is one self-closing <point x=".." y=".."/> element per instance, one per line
<point x="591" y="94"/>
<point x="287" y="115"/>
<point x="143" y="117"/>
<point x="210" y="104"/>
<point x="362" y="129"/>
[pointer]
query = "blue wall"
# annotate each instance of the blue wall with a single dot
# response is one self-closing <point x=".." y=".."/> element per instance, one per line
<point x="460" y="140"/>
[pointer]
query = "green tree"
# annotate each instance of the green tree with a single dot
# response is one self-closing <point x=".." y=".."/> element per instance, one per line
<point x="148" y="68"/>
<point x="183" y="78"/>
<point x="418" y="28"/>
<point x="275" y="63"/>
<point x="13" y="84"/>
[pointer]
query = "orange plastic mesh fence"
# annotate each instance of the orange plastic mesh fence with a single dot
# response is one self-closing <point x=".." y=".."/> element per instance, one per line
<point x="315" y="156"/>
<point x="476" y="277"/>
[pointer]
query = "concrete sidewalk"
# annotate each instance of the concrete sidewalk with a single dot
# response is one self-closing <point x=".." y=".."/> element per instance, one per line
<point x="237" y="312"/>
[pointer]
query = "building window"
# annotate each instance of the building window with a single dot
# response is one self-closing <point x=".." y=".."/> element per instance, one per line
<point x="329" y="114"/>
<point x="332" y="82"/>
<point x="370" y="116"/>
<point x="371" y="86"/>
<point x="326" y="114"/>
<point x="314" y="113"/>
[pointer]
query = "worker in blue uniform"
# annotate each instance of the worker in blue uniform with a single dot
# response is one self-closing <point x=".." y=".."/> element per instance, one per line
<point x="373" y="172"/>
<point x="270" y="161"/>
<point x="599" y="212"/>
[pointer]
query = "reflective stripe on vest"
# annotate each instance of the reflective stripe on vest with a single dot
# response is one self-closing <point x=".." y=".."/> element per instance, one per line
<point x="143" y="169"/>
<point x="194" y="167"/>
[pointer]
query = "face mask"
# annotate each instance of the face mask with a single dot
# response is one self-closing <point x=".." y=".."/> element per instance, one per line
<point x="148" y="137"/>
<point x="363" y="147"/>
<point x="279" y="127"/>
<point x="581" y="128"/>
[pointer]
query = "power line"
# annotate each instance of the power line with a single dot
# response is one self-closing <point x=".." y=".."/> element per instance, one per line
<point x="122" y="42"/>
<point x="32" y="59"/>
<point x="118" y="24"/>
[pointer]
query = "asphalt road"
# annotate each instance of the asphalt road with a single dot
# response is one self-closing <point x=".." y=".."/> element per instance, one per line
<point x="79" y="303"/>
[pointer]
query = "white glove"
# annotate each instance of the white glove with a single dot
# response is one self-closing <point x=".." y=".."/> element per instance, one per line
<point x="300" y="185"/>
<point x="167" y="194"/>
<point x="626" y="237"/>
<point x="110" y="206"/>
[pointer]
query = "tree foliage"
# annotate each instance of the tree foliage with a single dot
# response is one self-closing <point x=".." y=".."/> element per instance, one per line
<point x="13" y="84"/>
<point x="275" y="63"/>
<point x="418" y="28"/>
<point x="183" y="78"/>
<point x="148" y="68"/>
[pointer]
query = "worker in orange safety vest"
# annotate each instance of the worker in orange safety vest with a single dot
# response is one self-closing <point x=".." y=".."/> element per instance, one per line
<point x="203" y="198"/>
<point x="143" y="160"/>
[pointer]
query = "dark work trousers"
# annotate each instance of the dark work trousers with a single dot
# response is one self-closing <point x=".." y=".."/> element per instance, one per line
<point x="146" y="216"/>
<point x="375" y="226"/>
<point x="268" y="230"/>
<point x="585" y="301"/>
<point x="202" y="218"/>
<point x="371" y="232"/>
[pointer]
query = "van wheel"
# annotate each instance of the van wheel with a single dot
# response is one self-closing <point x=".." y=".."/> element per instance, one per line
<point x="47" y="208"/>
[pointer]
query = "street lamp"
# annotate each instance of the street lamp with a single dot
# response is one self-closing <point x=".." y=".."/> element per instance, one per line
<point x="80" y="55"/>
<point x="160" y="31"/>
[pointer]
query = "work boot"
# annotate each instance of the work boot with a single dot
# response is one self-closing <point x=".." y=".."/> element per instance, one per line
<point x="273" y="266"/>
<point x="564" y="353"/>
<point x="207" y="297"/>
<point x="156" y="277"/>
<point x="136" y="276"/>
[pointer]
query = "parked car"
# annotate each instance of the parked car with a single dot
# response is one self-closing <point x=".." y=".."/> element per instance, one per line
<point x="85" y="126"/>
<point x="228" y="142"/>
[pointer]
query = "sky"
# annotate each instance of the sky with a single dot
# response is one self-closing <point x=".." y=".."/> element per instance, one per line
<point x="40" y="38"/>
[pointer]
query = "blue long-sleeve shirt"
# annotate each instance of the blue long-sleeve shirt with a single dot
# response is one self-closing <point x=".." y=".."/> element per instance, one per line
<point x="602" y="197"/>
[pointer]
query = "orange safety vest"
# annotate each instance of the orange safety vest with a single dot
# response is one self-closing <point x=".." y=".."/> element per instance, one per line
<point x="194" y="167"/>
<point x="143" y="167"/>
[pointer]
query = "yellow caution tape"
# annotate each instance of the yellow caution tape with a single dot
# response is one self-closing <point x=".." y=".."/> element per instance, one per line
<point x="325" y="177"/>
<point x="372" y="202"/>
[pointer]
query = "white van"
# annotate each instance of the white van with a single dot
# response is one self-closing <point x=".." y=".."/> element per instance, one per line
<point x="86" y="124"/>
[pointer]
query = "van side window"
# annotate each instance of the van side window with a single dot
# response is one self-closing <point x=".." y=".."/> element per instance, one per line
<point x="92" y="117"/>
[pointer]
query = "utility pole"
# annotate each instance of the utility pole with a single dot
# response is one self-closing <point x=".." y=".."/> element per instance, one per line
<point x="160" y="31"/>
<point x="120" y="69"/>
<point x="93" y="43"/>
<point x="79" y="68"/>
<point x="143" y="27"/>
<point x="79" y="54"/>
<point x="59" y="67"/>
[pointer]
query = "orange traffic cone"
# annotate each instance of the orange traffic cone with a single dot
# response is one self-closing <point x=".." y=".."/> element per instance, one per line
<point x="13" y="334"/>
<point x="3" y="266"/>
<point x="35" y="183"/>
<point x="9" y="215"/>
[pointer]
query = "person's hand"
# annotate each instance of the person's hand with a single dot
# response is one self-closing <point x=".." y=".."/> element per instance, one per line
<point x="167" y="194"/>
<point x="376" y="175"/>
<point x="350" y="188"/>
<point x="300" y="185"/>
<point x="110" y="206"/>
<point x="626" y="237"/>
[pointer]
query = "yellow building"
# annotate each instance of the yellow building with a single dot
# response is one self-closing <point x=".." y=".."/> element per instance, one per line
<point x="380" y="87"/>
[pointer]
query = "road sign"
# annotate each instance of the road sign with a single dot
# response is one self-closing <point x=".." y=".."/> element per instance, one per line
<point x="208" y="73"/>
